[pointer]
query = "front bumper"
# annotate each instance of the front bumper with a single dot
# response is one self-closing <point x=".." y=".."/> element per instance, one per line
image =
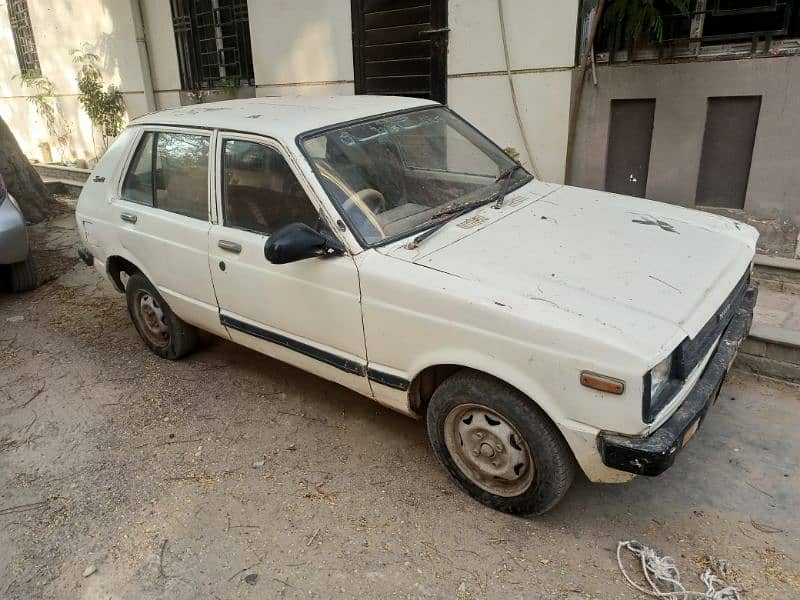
<point x="655" y="454"/>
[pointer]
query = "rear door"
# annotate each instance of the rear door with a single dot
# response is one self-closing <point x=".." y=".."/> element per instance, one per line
<point x="306" y="313"/>
<point x="400" y="47"/>
<point x="163" y="210"/>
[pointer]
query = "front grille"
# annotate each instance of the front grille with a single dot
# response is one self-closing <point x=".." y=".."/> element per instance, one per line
<point x="691" y="352"/>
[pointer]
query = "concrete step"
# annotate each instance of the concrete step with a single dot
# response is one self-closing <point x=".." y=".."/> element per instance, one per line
<point x="771" y="351"/>
<point x="773" y="348"/>
<point x="63" y="186"/>
<point x="777" y="274"/>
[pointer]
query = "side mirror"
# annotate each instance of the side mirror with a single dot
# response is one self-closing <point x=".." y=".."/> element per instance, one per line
<point x="297" y="241"/>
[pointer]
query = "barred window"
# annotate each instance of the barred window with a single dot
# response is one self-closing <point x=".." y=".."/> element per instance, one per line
<point x="705" y="23"/>
<point x="20" y="22"/>
<point x="213" y="43"/>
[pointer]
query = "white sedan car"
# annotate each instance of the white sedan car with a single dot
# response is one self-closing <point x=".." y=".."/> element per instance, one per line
<point x="387" y="245"/>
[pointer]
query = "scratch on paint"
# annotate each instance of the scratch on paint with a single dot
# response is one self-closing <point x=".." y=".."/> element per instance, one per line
<point x="665" y="283"/>
<point x="647" y="220"/>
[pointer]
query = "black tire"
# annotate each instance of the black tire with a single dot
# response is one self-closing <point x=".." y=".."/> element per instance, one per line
<point x="178" y="339"/>
<point x="542" y="481"/>
<point x="23" y="275"/>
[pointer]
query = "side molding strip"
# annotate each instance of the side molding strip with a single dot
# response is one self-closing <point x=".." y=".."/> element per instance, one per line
<point x="392" y="381"/>
<point x="345" y="364"/>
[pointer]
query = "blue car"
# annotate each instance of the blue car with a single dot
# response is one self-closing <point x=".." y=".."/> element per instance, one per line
<point x="16" y="262"/>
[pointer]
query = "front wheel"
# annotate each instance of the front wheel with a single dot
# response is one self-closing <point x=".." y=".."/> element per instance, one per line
<point x="161" y="329"/>
<point x="498" y="445"/>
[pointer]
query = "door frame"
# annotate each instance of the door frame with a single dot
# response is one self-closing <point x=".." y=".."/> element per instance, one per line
<point x="439" y="19"/>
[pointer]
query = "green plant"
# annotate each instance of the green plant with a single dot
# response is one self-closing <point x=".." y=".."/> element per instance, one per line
<point x="638" y="16"/>
<point x="103" y="104"/>
<point x="44" y="101"/>
<point x="512" y="152"/>
<point x="230" y="86"/>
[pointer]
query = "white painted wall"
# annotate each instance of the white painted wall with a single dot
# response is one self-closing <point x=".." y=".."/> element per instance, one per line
<point x="301" y="41"/>
<point x="540" y="33"/>
<point x="541" y="45"/>
<point x="164" y="70"/>
<point x="305" y="47"/>
<point x="58" y="28"/>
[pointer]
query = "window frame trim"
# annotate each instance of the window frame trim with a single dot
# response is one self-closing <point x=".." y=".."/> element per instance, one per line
<point x="319" y="204"/>
<point x="142" y="130"/>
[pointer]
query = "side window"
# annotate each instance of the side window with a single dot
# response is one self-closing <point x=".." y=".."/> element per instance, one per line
<point x="138" y="184"/>
<point x="260" y="193"/>
<point x="181" y="177"/>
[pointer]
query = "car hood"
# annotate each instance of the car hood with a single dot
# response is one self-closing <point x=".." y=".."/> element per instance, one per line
<point x="624" y="262"/>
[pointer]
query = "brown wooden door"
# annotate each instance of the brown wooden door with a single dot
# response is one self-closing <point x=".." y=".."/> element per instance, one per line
<point x="728" y="143"/>
<point x="400" y="47"/>
<point x="630" y="135"/>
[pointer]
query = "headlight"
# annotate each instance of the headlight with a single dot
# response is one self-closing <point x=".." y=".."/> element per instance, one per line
<point x="659" y="376"/>
<point x="660" y="386"/>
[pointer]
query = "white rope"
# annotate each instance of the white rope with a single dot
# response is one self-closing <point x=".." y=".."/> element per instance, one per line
<point x="662" y="570"/>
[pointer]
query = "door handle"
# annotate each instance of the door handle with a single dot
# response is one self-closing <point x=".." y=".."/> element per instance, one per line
<point x="230" y="246"/>
<point x="129" y="217"/>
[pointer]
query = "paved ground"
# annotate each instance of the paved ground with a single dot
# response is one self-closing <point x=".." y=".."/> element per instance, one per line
<point x="778" y="309"/>
<point x="152" y="472"/>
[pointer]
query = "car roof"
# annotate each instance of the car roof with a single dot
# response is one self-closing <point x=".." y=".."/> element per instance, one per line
<point x="282" y="117"/>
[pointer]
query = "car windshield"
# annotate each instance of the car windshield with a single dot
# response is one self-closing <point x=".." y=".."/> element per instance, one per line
<point x="400" y="174"/>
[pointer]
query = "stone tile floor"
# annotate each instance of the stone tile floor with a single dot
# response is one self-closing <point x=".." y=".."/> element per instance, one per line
<point x="778" y="309"/>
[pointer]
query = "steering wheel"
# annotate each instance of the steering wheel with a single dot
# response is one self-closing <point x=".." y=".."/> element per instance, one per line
<point x="368" y="201"/>
<point x="369" y="197"/>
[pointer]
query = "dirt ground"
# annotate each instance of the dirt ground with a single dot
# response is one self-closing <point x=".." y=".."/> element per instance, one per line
<point x="229" y="474"/>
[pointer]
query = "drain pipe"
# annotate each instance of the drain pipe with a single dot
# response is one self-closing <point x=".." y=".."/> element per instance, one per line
<point x="575" y="105"/>
<point x="144" y="55"/>
<point x="513" y="90"/>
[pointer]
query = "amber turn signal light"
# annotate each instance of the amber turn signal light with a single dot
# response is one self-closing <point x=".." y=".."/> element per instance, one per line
<point x="602" y="383"/>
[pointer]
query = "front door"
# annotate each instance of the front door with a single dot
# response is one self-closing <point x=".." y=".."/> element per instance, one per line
<point x="400" y="48"/>
<point x="306" y="313"/>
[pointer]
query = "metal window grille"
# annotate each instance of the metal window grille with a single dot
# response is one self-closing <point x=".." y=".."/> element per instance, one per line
<point x="713" y="22"/>
<point x="22" y="31"/>
<point x="213" y="42"/>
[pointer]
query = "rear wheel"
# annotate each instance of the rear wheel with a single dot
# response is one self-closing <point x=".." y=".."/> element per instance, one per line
<point x="498" y="445"/>
<point x="162" y="331"/>
<point x="23" y="275"/>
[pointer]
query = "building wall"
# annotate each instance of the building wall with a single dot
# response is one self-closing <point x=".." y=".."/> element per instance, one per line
<point x="681" y="92"/>
<point x="541" y="47"/>
<point x="305" y="47"/>
<point x="309" y="51"/>
<point x="58" y="28"/>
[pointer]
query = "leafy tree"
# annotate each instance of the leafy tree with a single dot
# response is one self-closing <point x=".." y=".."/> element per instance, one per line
<point x="639" y="16"/>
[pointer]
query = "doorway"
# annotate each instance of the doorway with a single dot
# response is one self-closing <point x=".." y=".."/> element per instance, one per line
<point x="400" y="48"/>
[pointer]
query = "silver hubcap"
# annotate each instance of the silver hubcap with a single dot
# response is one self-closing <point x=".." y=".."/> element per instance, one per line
<point x="489" y="450"/>
<point x="152" y="319"/>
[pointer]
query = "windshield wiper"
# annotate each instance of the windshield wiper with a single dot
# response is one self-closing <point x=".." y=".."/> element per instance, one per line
<point x="455" y="211"/>
<point x="505" y="176"/>
<point x="452" y="212"/>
